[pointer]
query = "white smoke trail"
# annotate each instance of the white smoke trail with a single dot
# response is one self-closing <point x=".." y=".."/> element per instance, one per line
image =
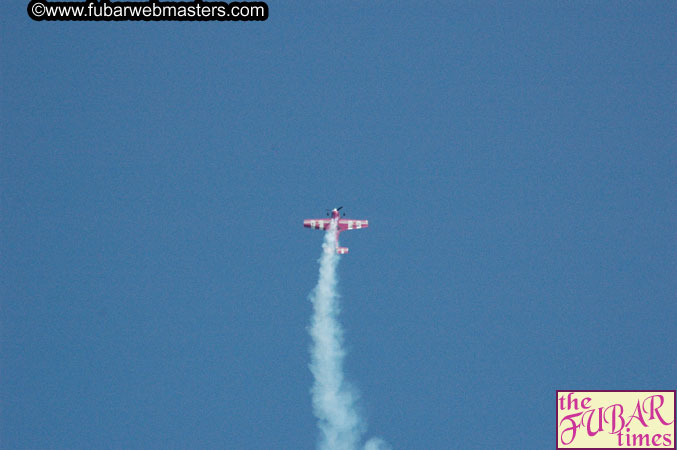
<point x="334" y="400"/>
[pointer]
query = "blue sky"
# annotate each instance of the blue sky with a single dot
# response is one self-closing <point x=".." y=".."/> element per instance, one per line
<point x="516" y="163"/>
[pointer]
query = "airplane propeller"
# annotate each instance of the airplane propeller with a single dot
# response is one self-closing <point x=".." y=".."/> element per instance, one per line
<point x="337" y="209"/>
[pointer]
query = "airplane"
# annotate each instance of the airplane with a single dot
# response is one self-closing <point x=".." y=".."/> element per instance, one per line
<point x="341" y="225"/>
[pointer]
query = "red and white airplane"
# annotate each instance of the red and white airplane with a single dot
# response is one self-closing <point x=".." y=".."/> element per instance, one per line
<point x="341" y="225"/>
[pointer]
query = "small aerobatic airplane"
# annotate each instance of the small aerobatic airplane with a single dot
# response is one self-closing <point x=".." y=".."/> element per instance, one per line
<point x="341" y="225"/>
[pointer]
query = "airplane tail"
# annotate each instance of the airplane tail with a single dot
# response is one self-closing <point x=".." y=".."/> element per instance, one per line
<point x="341" y="250"/>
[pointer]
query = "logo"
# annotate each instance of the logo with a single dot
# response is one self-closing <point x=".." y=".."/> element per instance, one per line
<point x="616" y="419"/>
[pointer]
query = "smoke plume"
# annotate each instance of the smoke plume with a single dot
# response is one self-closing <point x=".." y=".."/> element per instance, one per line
<point x="334" y="400"/>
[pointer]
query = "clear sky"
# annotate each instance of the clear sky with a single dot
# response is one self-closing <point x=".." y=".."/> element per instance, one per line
<point x="516" y="163"/>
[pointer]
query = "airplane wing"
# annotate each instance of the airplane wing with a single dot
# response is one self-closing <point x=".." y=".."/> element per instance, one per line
<point x="317" y="224"/>
<point x="352" y="224"/>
